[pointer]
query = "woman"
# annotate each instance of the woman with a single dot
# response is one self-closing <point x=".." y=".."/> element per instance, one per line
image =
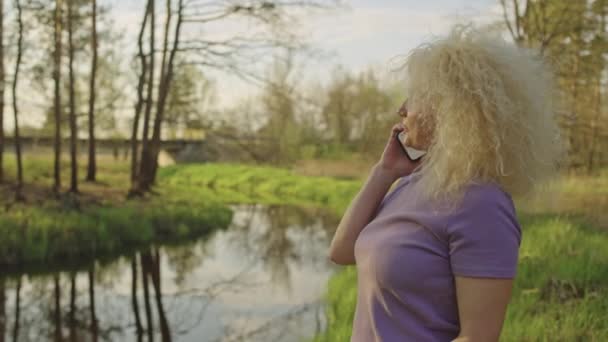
<point x="437" y="256"/>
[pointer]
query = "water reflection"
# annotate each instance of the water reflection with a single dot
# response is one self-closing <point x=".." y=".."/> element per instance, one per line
<point x="259" y="280"/>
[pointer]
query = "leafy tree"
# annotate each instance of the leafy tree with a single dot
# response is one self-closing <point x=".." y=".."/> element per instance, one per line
<point x="279" y="106"/>
<point x="571" y="35"/>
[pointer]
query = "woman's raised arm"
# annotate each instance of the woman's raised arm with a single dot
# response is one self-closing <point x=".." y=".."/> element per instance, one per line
<point x="359" y="213"/>
<point x="393" y="165"/>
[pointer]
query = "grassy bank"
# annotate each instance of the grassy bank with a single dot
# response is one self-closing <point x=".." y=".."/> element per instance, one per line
<point x="561" y="290"/>
<point x="268" y="185"/>
<point x="190" y="201"/>
<point x="33" y="235"/>
<point x="99" y="221"/>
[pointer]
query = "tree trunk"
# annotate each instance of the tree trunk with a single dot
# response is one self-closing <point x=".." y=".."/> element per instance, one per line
<point x="57" y="102"/>
<point x="73" y="126"/>
<point x="145" y="153"/>
<point x="2" y="80"/>
<point x="154" y="155"/>
<point x="140" y="96"/>
<point x="94" y="327"/>
<point x="92" y="165"/>
<point x="138" y="327"/>
<point x="150" y="159"/>
<point x="165" y="44"/>
<point x="18" y="188"/>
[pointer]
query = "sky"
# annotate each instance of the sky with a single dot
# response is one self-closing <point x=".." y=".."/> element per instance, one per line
<point x="357" y="36"/>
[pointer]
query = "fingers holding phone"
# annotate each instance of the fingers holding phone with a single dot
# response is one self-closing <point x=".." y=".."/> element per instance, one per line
<point x="411" y="153"/>
<point x="397" y="158"/>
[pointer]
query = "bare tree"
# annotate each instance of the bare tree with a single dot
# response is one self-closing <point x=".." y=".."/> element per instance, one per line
<point x="72" y="85"/>
<point x="140" y="93"/>
<point x="166" y="77"/>
<point x="149" y="154"/>
<point x="17" y="137"/>
<point x="92" y="167"/>
<point x="229" y="55"/>
<point x="149" y="99"/>
<point x="58" y="22"/>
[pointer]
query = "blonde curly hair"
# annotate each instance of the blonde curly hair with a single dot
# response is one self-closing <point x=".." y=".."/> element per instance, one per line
<point x="489" y="105"/>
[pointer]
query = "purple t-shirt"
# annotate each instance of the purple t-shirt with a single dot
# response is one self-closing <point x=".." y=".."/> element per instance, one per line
<point x="408" y="255"/>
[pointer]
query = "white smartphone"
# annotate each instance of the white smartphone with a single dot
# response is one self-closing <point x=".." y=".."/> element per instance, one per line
<point x="411" y="153"/>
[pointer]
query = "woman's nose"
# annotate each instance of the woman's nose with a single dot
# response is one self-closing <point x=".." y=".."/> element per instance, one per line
<point x="402" y="111"/>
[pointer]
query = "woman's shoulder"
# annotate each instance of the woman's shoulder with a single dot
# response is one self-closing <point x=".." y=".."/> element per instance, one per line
<point x="485" y="193"/>
<point x="484" y="235"/>
<point x="481" y="201"/>
<point x="486" y="203"/>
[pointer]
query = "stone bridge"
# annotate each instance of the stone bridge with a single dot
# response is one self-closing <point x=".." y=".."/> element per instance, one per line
<point x="214" y="147"/>
<point x="172" y="149"/>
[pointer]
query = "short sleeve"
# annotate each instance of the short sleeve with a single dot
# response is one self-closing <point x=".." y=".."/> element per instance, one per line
<point x="484" y="236"/>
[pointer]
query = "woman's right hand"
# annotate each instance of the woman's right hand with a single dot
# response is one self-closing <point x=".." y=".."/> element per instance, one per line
<point x="394" y="161"/>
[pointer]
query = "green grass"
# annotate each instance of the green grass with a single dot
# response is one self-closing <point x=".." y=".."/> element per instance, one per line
<point x="38" y="169"/>
<point x="43" y="231"/>
<point x="561" y="290"/>
<point x="35" y="236"/>
<point x="233" y="183"/>
<point x="190" y="201"/>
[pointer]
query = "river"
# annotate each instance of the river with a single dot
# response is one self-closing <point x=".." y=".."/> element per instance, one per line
<point x="261" y="279"/>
